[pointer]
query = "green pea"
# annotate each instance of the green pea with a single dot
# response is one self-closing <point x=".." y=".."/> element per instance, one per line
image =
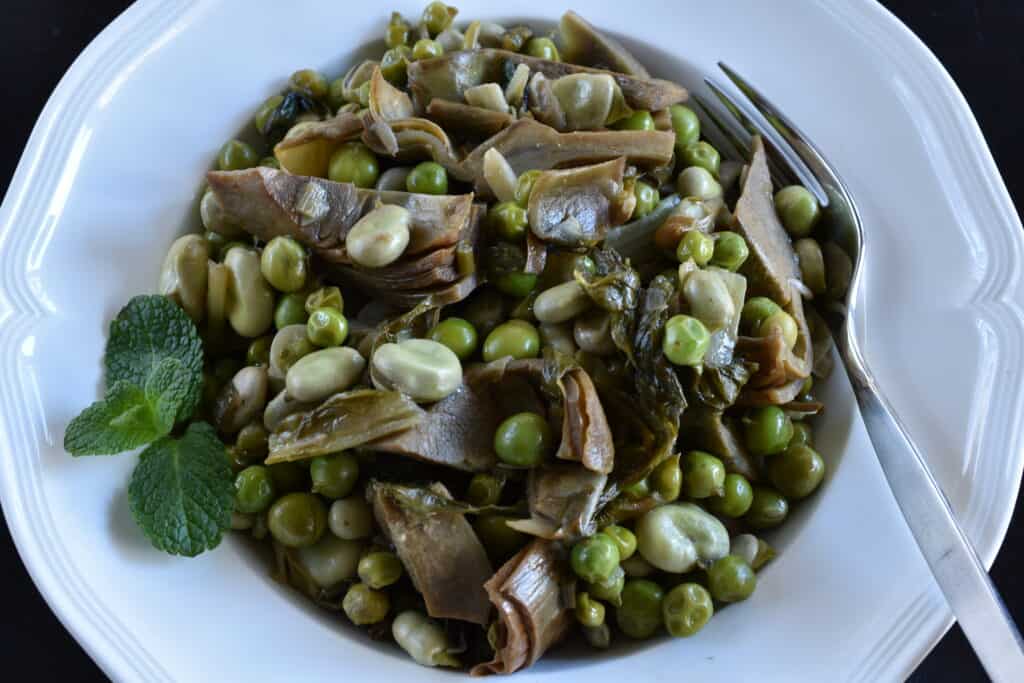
<point x="252" y="441"/>
<point x="397" y="32"/>
<point x="731" y="251"/>
<point x="327" y="327"/>
<point x="380" y="569"/>
<point x="639" y="616"/>
<point x="354" y="163"/>
<point x="254" y="489"/>
<point x="289" y="477"/>
<point x="609" y="589"/>
<point x="515" y="283"/>
<point x="427" y="177"/>
<point x="484" y="489"/>
<point x="647" y="197"/>
<point x="508" y="221"/>
<point x="499" y="539"/>
<point x="595" y="558"/>
<point x="697" y="246"/>
<point x="297" y="520"/>
<point x="755" y="310"/>
<point x="458" y="335"/>
<point x="730" y="579"/>
<point x="785" y="324"/>
<point x="437" y="17"/>
<point x="624" y="539"/>
<point x="638" y="120"/>
<point x="589" y="612"/>
<point x="235" y="155"/>
<point x="425" y="48"/>
<point x="543" y="48"/>
<point x="309" y="82"/>
<point x="735" y="499"/>
<point x="686" y="340"/>
<point x="283" y="264"/>
<point x="265" y="110"/>
<point x="336" y="93"/>
<point x="702" y="154"/>
<point x="767" y="430"/>
<point x="516" y="338"/>
<point x="363" y="605"/>
<point x="797" y="471"/>
<point x="803" y="434"/>
<point x="290" y="310"/>
<point x="325" y="297"/>
<point x="394" y="65"/>
<point x="523" y="440"/>
<point x="667" y="479"/>
<point x="798" y="210"/>
<point x="270" y="162"/>
<point x="524" y="186"/>
<point x="686" y="126"/>
<point x="767" y="509"/>
<point x="686" y="609"/>
<point x="334" y="476"/>
<point x="258" y="352"/>
<point x="703" y="475"/>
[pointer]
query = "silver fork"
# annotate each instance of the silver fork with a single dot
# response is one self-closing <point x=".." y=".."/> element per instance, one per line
<point x="958" y="571"/>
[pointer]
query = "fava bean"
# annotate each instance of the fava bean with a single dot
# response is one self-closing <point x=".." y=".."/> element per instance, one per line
<point x="592" y="332"/>
<point x="283" y="264"/>
<point x="561" y="303"/>
<point x="709" y="299"/>
<point x="241" y="400"/>
<point x="289" y="345"/>
<point x="380" y="237"/>
<point x="698" y="182"/>
<point x="424" y="640"/>
<point x="184" y="273"/>
<point x="250" y="304"/>
<point x="423" y="369"/>
<point x="678" y="536"/>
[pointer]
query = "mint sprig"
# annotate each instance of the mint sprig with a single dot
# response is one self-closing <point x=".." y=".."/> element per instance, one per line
<point x="181" y="492"/>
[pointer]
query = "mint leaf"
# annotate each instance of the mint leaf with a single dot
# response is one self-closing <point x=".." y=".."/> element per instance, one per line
<point x="167" y="390"/>
<point x="149" y="330"/>
<point x="181" y="492"/>
<point x="123" y="420"/>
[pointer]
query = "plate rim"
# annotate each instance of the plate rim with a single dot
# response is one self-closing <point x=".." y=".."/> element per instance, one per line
<point x="112" y="647"/>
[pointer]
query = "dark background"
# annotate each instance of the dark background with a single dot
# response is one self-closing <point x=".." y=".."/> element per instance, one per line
<point x="979" y="42"/>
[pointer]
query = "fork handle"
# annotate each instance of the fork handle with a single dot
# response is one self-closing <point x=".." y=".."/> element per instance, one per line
<point x="962" y="578"/>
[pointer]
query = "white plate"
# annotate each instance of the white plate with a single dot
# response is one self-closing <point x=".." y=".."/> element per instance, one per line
<point x="110" y="176"/>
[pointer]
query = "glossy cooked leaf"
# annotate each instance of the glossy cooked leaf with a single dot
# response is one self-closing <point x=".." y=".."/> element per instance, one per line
<point x="718" y="388"/>
<point x="121" y="421"/>
<point x="614" y="286"/>
<point x="343" y="421"/>
<point x="182" y="492"/>
<point x="150" y="329"/>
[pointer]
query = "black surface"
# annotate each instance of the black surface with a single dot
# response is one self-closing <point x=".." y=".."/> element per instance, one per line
<point x="979" y="42"/>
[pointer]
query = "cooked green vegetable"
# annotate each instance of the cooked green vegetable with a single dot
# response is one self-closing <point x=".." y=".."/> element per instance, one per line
<point x="516" y="338"/>
<point x="797" y="471"/>
<point x="703" y="475"/>
<point x="686" y="609"/>
<point x="353" y="163"/>
<point x="458" y="335"/>
<point x="254" y="489"/>
<point x="589" y="612"/>
<point x="686" y="340"/>
<point x="730" y="252"/>
<point x="542" y="48"/>
<point x="523" y="440"/>
<point x="364" y="605"/>
<point x="686" y="126"/>
<point x="798" y="210"/>
<point x="639" y="616"/>
<point x="334" y="476"/>
<point x="326" y="327"/>
<point x="235" y="155"/>
<point x="297" y="520"/>
<point x="380" y="569"/>
<point x="427" y="177"/>
<point x="767" y="508"/>
<point x="703" y="155"/>
<point x="730" y="579"/>
<point x="735" y="498"/>
<point x="695" y="246"/>
<point x="647" y="198"/>
<point x="595" y="558"/>
<point x="767" y="430"/>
